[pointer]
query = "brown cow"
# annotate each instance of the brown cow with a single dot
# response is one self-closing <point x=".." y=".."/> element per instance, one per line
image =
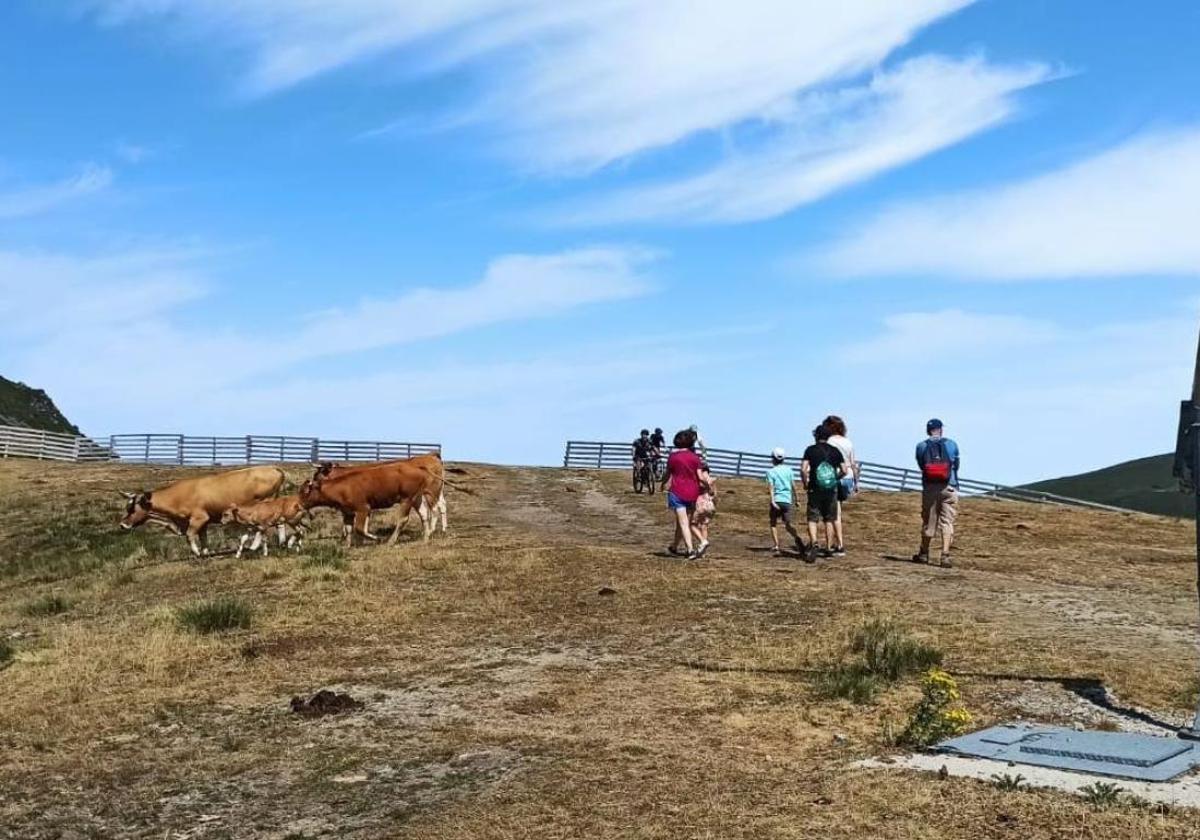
<point x="190" y="505"/>
<point x="431" y="461"/>
<point x="358" y="491"/>
<point x="256" y="519"/>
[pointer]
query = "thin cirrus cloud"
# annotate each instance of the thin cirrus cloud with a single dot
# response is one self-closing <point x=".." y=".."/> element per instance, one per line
<point x="906" y="336"/>
<point x="33" y="200"/>
<point x="123" y="328"/>
<point x="1128" y="211"/>
<point x="822" y="142"/>
<point x="567" y="87"/>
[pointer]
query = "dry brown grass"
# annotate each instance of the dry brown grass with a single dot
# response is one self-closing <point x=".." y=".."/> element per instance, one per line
<point x="506" y="696"/>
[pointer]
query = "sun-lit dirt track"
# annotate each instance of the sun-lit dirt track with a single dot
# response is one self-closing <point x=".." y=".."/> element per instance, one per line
<point x="547" y="671"/>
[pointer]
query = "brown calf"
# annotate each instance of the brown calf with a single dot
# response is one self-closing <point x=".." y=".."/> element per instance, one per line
<point x="256" y="519"/>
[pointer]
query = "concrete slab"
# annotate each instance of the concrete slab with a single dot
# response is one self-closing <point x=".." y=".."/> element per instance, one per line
<point x="1121" y="755"/>
<point x="1183" y="792"/>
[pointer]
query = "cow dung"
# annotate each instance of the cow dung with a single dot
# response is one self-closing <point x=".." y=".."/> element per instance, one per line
<point x="325" y="702"/>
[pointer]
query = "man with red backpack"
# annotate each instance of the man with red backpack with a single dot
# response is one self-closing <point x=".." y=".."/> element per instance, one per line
<point x="937" y="458"/>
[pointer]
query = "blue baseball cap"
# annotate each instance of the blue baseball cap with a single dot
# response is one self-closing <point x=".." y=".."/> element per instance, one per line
<point x="933" y="424"/>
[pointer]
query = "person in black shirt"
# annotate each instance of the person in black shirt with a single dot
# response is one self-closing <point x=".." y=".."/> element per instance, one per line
<point x="820" y="471"/>
<point x="643" y="449"/>
<point x="658" y="440"/>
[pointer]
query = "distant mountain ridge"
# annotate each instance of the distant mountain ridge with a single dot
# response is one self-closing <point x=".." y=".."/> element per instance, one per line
<point x="1143" y="484"/>
<point x="21" y="405"/>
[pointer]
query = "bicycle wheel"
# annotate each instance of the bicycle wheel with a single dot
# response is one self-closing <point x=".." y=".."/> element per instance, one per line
<point x="638" y="473"/>
<point x="651" y="481"/>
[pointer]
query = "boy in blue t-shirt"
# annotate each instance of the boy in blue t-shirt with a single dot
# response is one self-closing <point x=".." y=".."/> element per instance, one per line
<point x="782" y="482"/>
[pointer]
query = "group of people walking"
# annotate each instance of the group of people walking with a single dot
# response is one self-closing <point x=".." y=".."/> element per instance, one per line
<point x="829" y="475"/>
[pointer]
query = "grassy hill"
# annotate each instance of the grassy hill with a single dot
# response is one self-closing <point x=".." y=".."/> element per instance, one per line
<point x="21" y="405"/>
<point x="1144" y="484"/>
<point x="546" y="671"/>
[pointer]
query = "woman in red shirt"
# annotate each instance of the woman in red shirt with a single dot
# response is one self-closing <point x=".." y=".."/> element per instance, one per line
<point x="686" y="475"/>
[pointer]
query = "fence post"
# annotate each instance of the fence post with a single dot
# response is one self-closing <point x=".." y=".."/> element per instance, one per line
<point x="146" y="457"/>
<point x="249" y="448"/>
<point x="407" y="449"/>
<point x="600" y="457"/>
<point x="567" y="456"/>
<point x="903" y="481"/>
<point x="75" y="453"/>
<point x="316" y="448"/>
<point x="179" y="451"/>
<point x="738" y="468"/>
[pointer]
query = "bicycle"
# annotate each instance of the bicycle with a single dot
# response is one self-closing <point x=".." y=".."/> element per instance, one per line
<point x="658" y="465"/>
<point x="643" y="476"/>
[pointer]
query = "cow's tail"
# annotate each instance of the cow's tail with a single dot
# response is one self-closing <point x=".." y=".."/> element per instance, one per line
<point x="441" y="475"/>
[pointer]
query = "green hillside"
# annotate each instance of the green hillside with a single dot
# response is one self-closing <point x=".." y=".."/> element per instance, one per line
<point x="1144" y="484"/>
<point x="21" y="405"/>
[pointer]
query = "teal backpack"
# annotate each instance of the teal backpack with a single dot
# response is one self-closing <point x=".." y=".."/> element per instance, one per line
<point x="826" y="476"/>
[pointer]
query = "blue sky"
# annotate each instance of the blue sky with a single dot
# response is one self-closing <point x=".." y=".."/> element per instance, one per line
<point x="502" y="223"/>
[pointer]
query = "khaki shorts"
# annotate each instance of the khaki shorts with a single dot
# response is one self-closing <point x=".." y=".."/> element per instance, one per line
<point x="939" y="508"/>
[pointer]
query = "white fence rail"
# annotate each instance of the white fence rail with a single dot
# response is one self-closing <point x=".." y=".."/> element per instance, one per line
<point x="191" y="450"/>
<point x="608" y="455"/>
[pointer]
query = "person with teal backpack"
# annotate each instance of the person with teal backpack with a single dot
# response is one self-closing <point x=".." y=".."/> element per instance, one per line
<point x="821" y="471"/>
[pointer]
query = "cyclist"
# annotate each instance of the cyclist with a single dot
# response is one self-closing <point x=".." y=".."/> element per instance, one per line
<point x="657" y="441"/>
<point x="643" y="450"/>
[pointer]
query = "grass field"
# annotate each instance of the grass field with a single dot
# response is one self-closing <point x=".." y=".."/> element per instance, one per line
<point x="544" y="672"/>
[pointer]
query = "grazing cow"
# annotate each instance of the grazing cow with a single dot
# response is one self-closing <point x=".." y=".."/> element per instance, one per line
<point x="256" y="519"/>
<point x="190" y="505"/>
<point x="431" y="461"/>
<point x="358" y="491"/>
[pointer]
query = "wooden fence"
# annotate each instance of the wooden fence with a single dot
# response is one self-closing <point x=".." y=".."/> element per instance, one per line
<point x="191" y="450"/>
<point x="726" y="462"/>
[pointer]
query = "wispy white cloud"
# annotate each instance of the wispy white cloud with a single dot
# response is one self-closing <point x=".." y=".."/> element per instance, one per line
<point x="913" y="336"/>
<point x="824" y="141"/>
<point x="570" y="86"/>
<point x="35" y="199"/>
<point x="1129" y="211"/>
<point x="117" y="340"/>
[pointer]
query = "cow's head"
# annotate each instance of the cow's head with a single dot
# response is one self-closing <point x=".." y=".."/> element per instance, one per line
<point x="322" y="470"/>
<point x="138" y="508"/>
<point x="230" y="515"/>
<point x="309" y="492"/>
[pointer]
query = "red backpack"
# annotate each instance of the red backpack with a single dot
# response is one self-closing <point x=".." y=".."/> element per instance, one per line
<point x="935" y="462"/>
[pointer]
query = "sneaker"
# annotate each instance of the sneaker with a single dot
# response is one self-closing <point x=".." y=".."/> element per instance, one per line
<point x="675" y="552"/>
<point x="776" y="551"/>
<point x="694" y="555"/>
<point x="920" y="558"/>
<point x="840" y="551"/>
<point x="826" y="553"/>
<point x="702" y="549"/>
<point x="810" y="555"/>
<point x="946" y="564"/>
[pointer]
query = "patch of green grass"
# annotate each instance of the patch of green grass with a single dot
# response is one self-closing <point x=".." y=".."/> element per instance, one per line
<point x="1010" y="783"/>
<point x="885" y="654"/>
<point x="890" y="653"/>
<point x="324" y="556"/>
<point x="47" y="605"/>
<point x="215" y="616"/>
<point x="1102" y="794"/>
<point x="851" y="682"/>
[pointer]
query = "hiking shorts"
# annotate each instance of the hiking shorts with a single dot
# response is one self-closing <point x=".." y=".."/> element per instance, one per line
<point x="939" y="508"/>
<point x="781" y="512"/>
<point x="676" y="503"/>
<point x="822" y="505"/>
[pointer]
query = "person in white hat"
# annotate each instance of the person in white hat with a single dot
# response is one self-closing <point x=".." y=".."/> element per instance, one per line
<point x="781" y="479"/>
